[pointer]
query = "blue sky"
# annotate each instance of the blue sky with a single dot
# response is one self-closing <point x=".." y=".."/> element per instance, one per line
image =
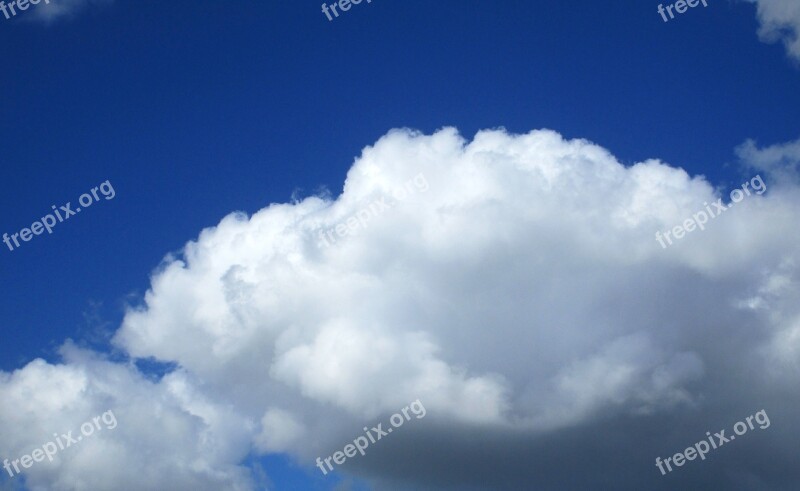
<point x="194" y="110"/>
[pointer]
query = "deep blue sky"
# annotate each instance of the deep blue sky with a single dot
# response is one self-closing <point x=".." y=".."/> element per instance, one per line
<point x="196" y="109"/>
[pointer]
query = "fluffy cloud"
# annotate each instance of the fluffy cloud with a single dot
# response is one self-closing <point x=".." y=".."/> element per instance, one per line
<point x="167" y="436"/>
<point x="780" y="21"/>
<point x="522" y="297"/>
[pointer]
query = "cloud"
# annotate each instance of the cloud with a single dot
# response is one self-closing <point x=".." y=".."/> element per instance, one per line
<point x="167" y="436"/>
<point x="61" y="9"/>
<point x="278" y="429"/>
<point x="780" y="21"/>
<point x="522" y="297"/>
<point x="781" y="162"/>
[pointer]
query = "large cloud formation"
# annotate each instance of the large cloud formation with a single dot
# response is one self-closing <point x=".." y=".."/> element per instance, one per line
<point x="512" y="283"/>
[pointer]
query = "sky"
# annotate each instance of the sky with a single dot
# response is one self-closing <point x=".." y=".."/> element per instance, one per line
<point x="497" y="217"/>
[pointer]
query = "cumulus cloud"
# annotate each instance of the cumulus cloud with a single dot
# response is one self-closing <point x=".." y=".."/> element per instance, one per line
<point x="167" y="436"/>
<point x="780" y="21"/>
<point x="522" y="297"/>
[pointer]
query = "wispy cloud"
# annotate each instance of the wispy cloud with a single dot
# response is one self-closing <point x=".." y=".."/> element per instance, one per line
<point x="61" y="9"/>
<point x="780" y="21"/>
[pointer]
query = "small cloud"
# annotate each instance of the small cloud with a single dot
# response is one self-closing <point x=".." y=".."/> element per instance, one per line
<point x="55" y="10"/>
<point x="780" y="21"/>
<point x="781" y="162"/>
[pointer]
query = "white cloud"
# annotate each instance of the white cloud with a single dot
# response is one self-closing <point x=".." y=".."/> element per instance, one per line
<point x="165" y="438"/>
<point x="279" y="430"/>
<point x="781" y="161"/>
<point x="523" y="291"/>
<point x="780" y="21"/>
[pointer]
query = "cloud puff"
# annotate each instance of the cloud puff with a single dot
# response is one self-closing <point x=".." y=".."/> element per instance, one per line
<point x="167" y="436"/>
<point x="522" y="297"/>
<point x="781" y="161"/>
<point x="780" y="21"/>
